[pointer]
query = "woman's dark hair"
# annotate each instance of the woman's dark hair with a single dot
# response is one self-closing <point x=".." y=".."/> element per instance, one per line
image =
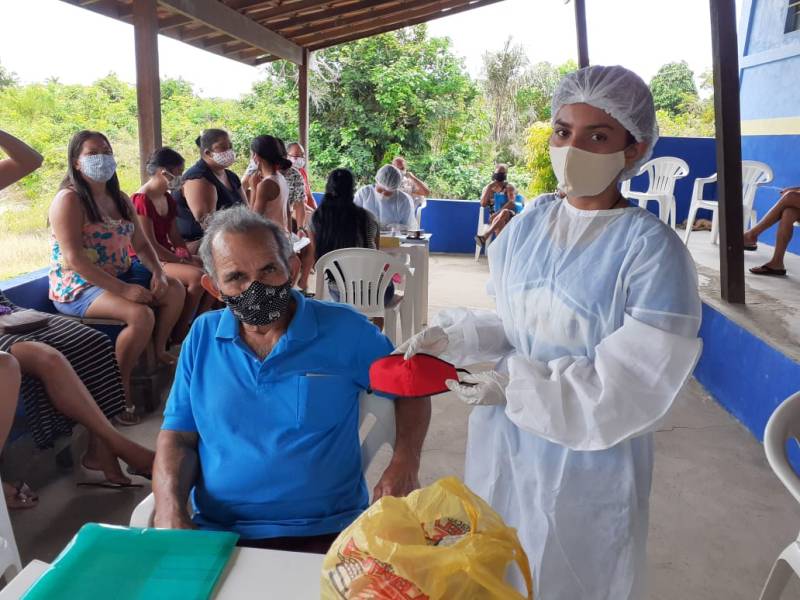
<point x="164" y="158"/>
<point x="74" y="180"/>
<point x="272" y="150"/>
<point x="209" y="137"/>
<point x="338" y="222"/>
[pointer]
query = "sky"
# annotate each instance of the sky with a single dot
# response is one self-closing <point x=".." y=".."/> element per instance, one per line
<point x="46" y="38"/>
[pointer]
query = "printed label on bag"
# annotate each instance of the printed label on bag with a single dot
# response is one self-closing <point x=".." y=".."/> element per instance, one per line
<point x="359" y="576"/>
<point x="445" y="532"/>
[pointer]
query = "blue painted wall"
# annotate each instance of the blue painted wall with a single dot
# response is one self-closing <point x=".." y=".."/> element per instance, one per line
<point x="780" y="152"/>
<point x="700" y="155"/>
<point x="747" y="376"/>
<point x="770" y="89"/>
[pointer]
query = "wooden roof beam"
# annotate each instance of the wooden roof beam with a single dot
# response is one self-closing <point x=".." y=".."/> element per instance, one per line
<point x="328" y="41"/>
<point x="410" y="8"/>
<point x="380" y="18"/>
<point x="228" y="21"/>
<point x="285" y="11"/>
<point x="333" y="14"/>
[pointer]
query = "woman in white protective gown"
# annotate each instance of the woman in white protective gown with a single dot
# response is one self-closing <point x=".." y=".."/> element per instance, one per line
<point x="594" y="335"/>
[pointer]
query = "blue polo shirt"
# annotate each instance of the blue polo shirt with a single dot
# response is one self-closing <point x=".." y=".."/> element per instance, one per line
<point x="278" y="439"/>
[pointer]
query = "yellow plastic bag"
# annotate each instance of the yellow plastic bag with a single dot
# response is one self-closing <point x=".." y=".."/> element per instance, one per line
<point x="440" y="542"/>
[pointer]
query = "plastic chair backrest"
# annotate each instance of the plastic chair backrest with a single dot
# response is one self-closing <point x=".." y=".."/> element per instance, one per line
<point x="754" y="174"/>
<point x="376" y="426"/>
<point x="784" y="425"/>
<point x="663" y="172"/>
<point x="361" y="276"/>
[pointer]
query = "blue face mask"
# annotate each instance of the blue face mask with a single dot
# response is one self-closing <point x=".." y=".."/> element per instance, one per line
<point x="98" y="167"/>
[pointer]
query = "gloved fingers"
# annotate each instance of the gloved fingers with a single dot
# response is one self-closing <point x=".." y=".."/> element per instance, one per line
<point x="465" y="391"/>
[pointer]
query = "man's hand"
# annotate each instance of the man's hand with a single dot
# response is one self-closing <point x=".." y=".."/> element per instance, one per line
<point x="399" y="479"/>
<point x="173" y="520"/>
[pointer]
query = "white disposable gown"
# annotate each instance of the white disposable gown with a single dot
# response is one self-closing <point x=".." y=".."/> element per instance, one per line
<point x="596" y="323"/>
<point x="397" y="209"/>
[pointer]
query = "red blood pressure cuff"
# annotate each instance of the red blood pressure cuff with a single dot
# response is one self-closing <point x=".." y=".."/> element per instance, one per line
<point x="421" y="375"/>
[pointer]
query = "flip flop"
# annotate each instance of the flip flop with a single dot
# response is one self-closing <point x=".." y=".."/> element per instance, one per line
<point x="144" y="474"/>
<point x="23" y="496"/>
<point x="128" y="417"/>
<point x="96" y="478"/>
<point x="769" y="271"/>
<point x="480" y="240"/>
<point x="752" y="248"/>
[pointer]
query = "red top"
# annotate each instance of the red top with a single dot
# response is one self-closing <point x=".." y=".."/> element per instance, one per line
<point x="162" y="224"/>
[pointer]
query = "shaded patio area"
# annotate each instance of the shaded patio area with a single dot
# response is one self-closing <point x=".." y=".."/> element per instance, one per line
<point x="718" y="515"/>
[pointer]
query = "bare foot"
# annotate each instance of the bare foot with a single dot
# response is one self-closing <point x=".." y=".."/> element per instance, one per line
<point x="750" y="239"/>
<point x="19" y="495"/>
<point x="104" y="461"/>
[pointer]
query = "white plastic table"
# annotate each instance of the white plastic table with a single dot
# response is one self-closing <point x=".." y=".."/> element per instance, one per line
<point x="419" y="253"/>
<point x="250" y="573"/>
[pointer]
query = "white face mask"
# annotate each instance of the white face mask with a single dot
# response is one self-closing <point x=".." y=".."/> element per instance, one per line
<point x="298" y="162"/>
<point x="98" y="167"/>
<point x="224" y="159"/>
<point x="584" y="174"/>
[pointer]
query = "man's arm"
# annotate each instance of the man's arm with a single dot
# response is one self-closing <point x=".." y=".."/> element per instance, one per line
<point x="420" y="189"/>
<point x="174" y="472"/>
<point x="412" y="417"/>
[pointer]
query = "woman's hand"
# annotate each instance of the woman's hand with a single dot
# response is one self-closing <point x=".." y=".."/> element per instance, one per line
<point x="136" y="293"/>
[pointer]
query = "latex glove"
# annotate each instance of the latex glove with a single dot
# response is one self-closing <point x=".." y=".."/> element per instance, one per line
<point x="484" y="389"/>
<point x="433" y="341"/>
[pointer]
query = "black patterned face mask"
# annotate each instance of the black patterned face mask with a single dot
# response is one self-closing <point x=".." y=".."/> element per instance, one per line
<point x="260" y="304"/>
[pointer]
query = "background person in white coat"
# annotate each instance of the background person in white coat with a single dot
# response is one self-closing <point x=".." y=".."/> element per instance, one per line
<point x="385" y="200"/>
<point x="595" y="333"/>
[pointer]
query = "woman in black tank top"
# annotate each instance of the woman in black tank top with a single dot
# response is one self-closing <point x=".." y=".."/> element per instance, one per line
<point x="208" y="186"/>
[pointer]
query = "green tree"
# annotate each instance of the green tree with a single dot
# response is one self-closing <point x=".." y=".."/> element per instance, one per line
<point x="7" y="78"/>
<point x="537" y="159"/>
<point x="672" y="86"/>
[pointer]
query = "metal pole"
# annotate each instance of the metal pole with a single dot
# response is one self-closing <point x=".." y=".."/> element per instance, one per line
<point x="580" y="30"/>
<point x="148" y="85"/>
<point x="729" y="149"/>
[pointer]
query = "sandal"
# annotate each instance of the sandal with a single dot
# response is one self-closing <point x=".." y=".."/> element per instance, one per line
<point x="21" y="496"/>
<point x="769" y="271"/>
<point x="97" y="478"/>
<point x="128" y="417"/>
<point x="752" y="248"/>
<point x="480" y="241"/>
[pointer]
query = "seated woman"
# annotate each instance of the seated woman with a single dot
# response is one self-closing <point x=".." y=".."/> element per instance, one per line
<point x="91" y="396"/>
<point x="498" y="193"/>
<point x="208" y="185"/>
<point x="786" y="213"/>
<point x="156" y="212"/>
<point x="338" y="223"/>
<point x="91" y="271"/>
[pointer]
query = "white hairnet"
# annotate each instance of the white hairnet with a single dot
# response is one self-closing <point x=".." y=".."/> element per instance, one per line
<point x="619" y="92"/>
<point x="389" y="177"/>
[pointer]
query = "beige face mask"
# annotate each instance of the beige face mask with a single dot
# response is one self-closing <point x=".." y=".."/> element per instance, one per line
<point x="585" y="174"/>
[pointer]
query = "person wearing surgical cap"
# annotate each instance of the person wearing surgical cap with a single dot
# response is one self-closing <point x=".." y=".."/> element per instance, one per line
<point x="593" y="336"/>
<point x="385" y="200"/>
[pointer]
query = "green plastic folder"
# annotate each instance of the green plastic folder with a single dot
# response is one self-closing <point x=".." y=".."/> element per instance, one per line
<point x="106" y="561"/>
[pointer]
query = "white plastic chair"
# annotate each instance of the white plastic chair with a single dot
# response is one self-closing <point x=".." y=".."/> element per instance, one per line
<point x="754" y="174"/>
<point x="662" y="172"/>
<point x="482" y="227"/>
<point x="10" y="563"/>
<point x="376" y="429"/>
<point x="420" y="206"/>
<point x="783" y="425"/>
<point x="362" y="276"/>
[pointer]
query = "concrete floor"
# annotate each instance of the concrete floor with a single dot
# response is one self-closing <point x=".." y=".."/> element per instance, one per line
<point x="718" y="515"/>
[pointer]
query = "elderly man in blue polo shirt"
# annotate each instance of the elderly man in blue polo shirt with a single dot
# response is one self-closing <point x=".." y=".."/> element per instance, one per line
<point x="261" y="425"/>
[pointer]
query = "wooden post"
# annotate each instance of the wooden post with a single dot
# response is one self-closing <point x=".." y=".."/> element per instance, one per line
<point x="580" y="30"/>
<point x="302" y="104"/>
<point x="148" y="85"/>
<point x="729" y="149"/>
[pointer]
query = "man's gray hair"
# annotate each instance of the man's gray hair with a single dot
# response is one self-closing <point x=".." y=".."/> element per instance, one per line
<point x="239" y="219"/>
